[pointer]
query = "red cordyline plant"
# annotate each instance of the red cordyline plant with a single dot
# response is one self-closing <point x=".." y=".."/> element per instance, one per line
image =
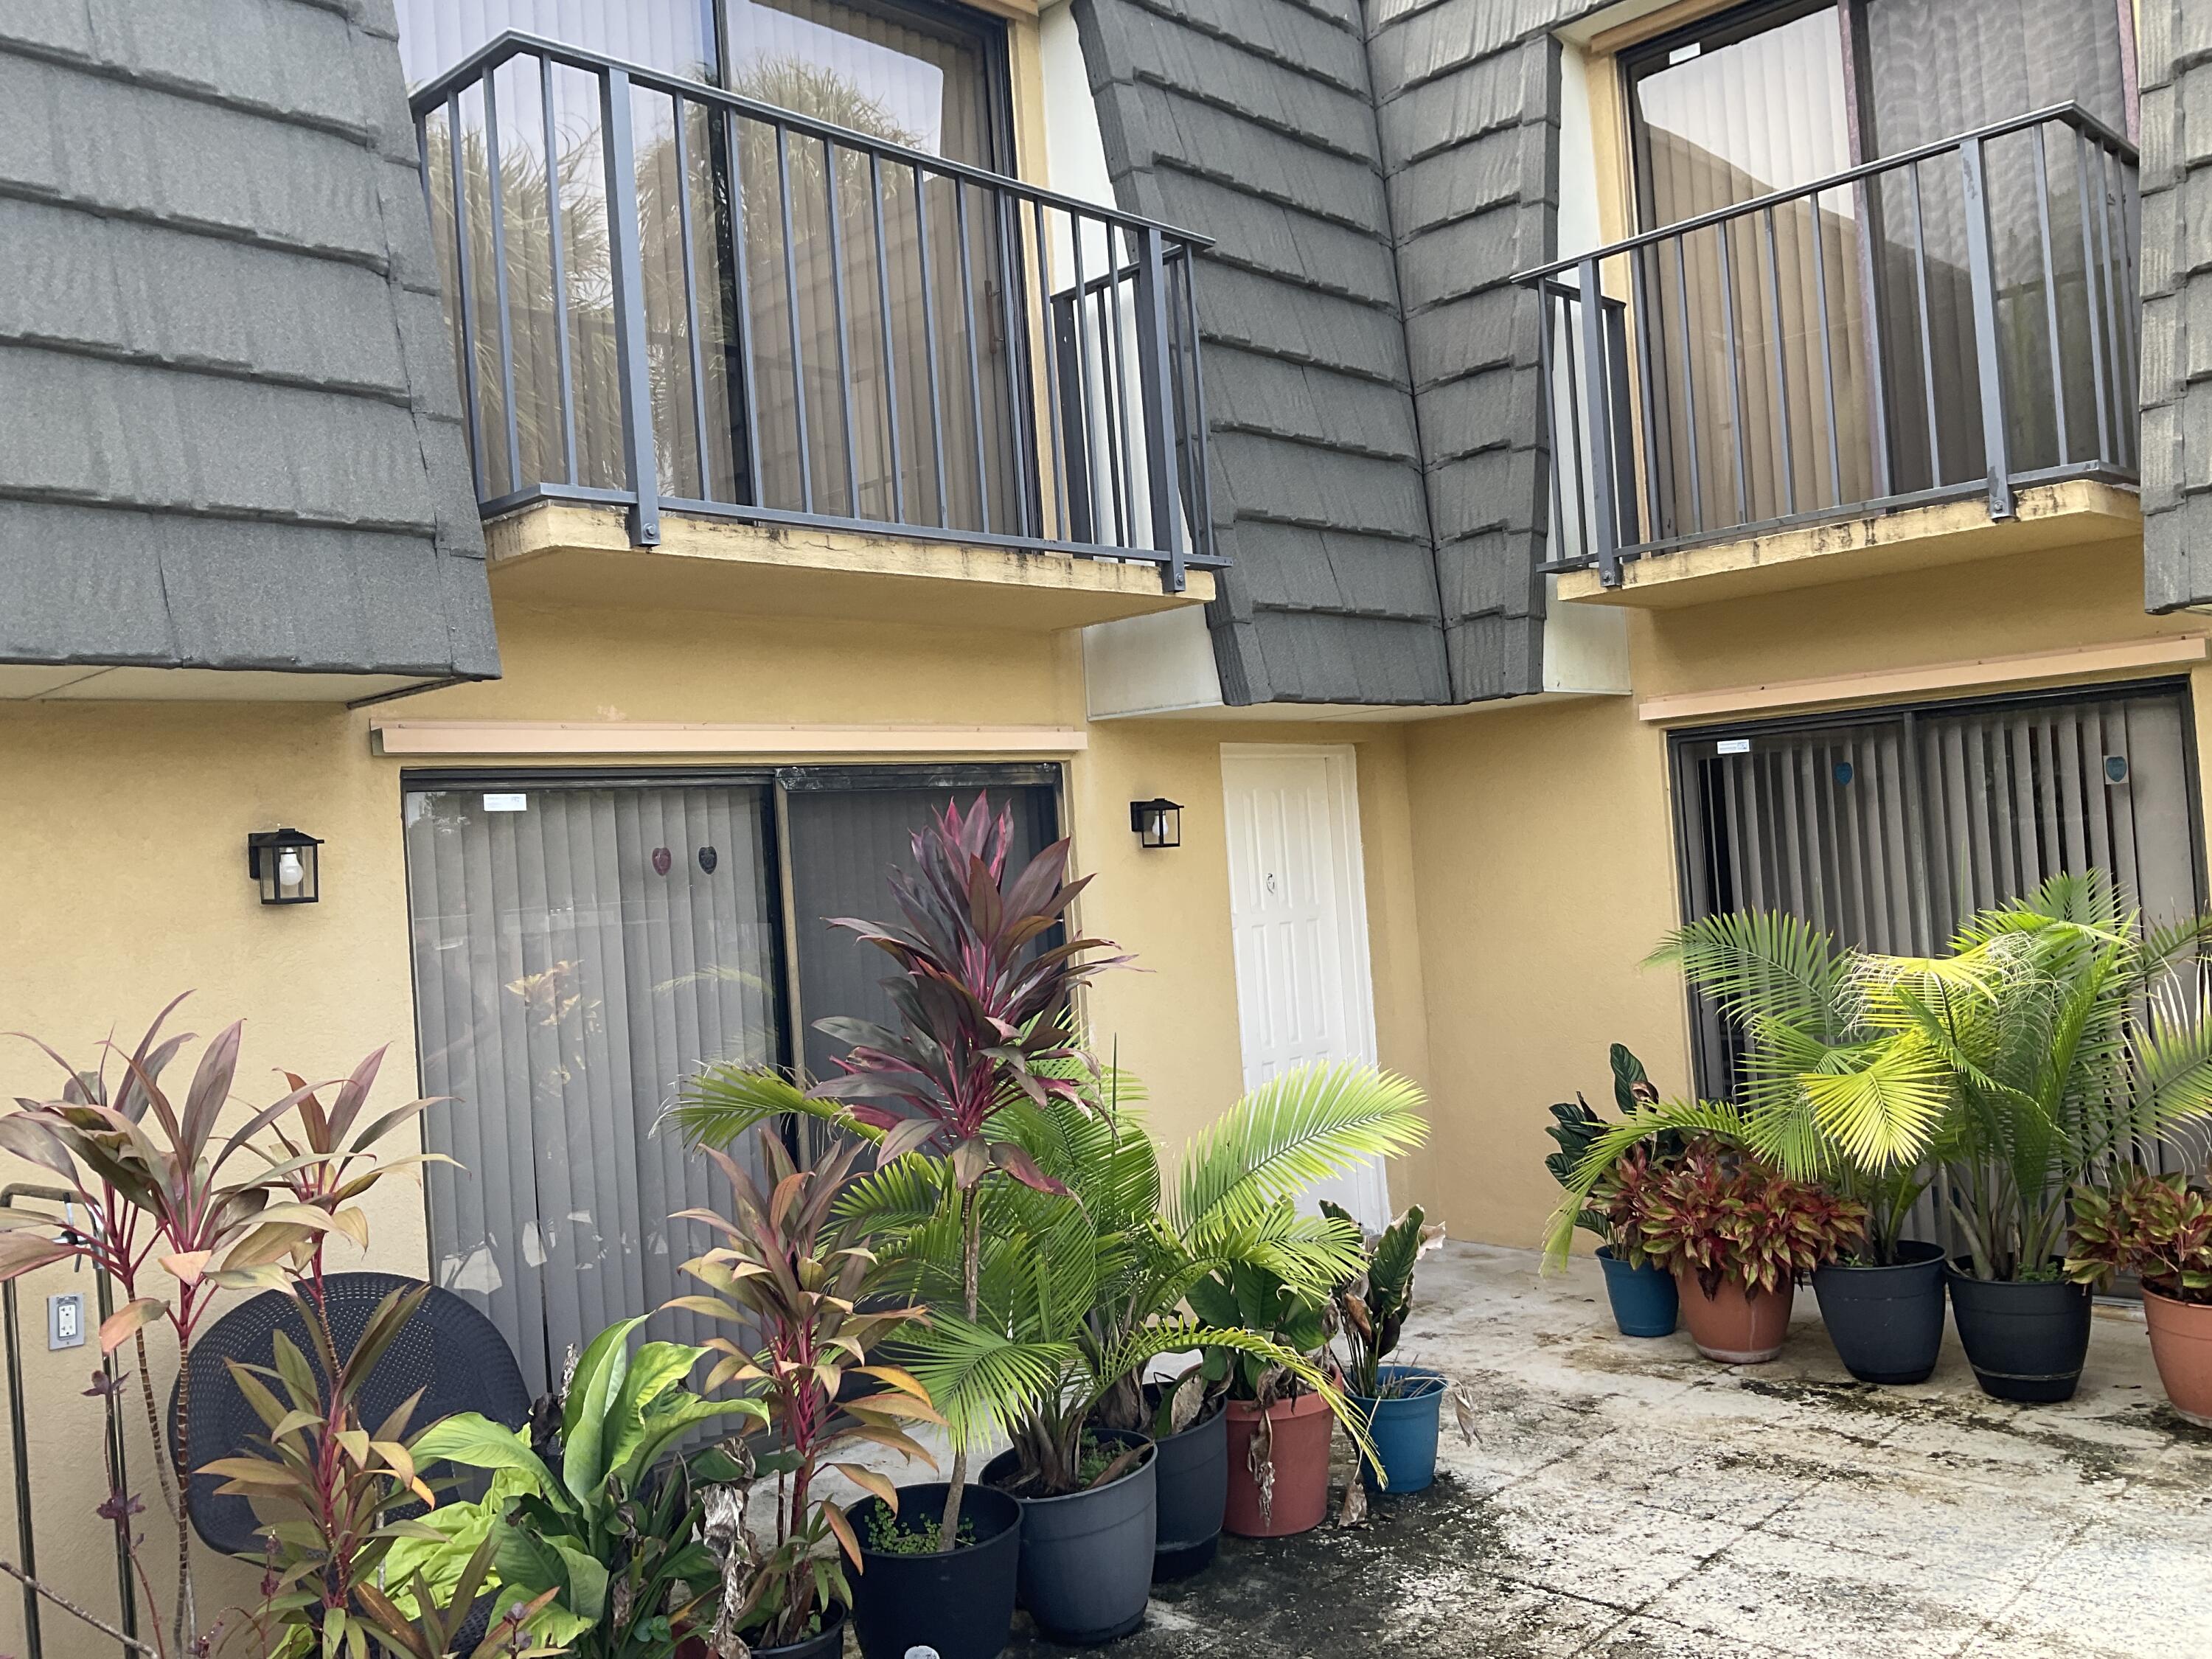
<point x="151" y="1183"/>
<point x="798" y="1301"/>
<point x="1728" y="1217"/>
<point x="2158" y="1227"/>
<point x="983" y="1008"/>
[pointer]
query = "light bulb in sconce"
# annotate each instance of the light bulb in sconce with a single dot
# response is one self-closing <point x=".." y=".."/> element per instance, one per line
<point x="288" y="868"/>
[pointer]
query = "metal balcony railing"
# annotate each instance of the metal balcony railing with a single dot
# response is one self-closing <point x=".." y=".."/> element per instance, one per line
<point x="1952" y="319"/>
<point x="668" y="296"/>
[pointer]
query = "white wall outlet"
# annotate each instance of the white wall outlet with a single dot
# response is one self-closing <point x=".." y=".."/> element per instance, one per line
<point x="66" y="1319"/>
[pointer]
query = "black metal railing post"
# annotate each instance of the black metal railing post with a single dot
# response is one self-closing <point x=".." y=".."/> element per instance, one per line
<point x="633" y="368"/>
<point x="1598" y="456"/>
<point x="1159" y="413"/>
<point x="1981" y="272"/>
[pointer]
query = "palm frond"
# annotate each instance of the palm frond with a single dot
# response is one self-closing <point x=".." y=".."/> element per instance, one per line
<point x="721" y="1102"/>
<point x="1763" y="964"/>
<point x="1293" y="1131"/>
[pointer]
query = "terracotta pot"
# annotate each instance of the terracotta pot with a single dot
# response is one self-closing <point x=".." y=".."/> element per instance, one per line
<point x="2181" y="1345"/>
<point x="1730" y="1326"/>
<point x="1302" y="1428"/>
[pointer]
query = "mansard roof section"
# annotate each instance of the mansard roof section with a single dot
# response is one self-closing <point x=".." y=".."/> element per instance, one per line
<point x="229" y="429"/>
<point x="1255" y="122"/>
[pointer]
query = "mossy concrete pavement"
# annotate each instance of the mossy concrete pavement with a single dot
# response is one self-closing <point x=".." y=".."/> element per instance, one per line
<point x="1629" y="1500"/>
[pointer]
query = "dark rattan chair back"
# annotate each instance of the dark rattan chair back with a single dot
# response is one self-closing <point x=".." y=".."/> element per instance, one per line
<point x="448" y="1350"/>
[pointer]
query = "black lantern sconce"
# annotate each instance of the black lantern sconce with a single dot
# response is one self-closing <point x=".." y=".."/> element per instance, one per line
<point x="1157" y="821"/>
<point x="285" y="864"/>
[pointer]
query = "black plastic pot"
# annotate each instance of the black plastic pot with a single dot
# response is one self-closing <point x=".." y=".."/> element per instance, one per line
<point x="1086" y="1567"/>
<point x="1887" y="1322"/>
<point x="828" y="1645"/>
<point x="960" y="1602"/>
<point x="1192" y="1477"/>
<point x="2025" y="1339"/>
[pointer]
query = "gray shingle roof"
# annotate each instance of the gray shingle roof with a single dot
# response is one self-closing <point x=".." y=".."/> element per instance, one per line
<point x="1252" y="120"/>
<point x="1371" y="177"/>
<point x="229" y="424"/>
<point x="2174" y="63"/>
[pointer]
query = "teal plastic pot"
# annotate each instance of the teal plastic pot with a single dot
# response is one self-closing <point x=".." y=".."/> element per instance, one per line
<point x="1644" y="1300"/>
<point x="1403" y="1426"/>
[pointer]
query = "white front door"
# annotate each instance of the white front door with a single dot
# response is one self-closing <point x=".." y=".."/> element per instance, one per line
<point x="1299" y="917"/>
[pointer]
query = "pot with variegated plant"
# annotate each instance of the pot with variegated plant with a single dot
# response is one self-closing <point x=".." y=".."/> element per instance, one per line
<point x="1738" y="1235"/>
<point x="2159" y="1228"/>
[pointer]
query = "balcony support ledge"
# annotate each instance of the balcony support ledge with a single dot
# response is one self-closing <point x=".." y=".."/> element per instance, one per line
<point x="580" y="553"/>
<point x="2074" y="512"/>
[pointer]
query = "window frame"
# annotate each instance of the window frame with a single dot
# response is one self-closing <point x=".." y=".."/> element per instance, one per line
<point x="987" y="32"/>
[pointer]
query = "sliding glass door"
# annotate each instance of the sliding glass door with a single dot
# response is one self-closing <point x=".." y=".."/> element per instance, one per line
<point x="869" y="299"/>
<point x="582" y="945"/>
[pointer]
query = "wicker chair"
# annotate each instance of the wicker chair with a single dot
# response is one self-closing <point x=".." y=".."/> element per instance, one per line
<point x="448" y="1350"/>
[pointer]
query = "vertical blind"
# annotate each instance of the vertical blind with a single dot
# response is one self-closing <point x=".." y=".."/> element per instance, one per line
<point x="575" y="958"/>
<point x="1890" y="831"/>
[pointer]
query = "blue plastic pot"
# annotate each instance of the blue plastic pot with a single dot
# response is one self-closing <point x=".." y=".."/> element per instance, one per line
<point x="1403" y="1427"/>
<point x="1643" y="1299"/>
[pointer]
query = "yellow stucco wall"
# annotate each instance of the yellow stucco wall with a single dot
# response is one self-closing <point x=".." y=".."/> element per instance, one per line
<point x="1518" y="860"/>
<point x="123" y="828"/>
<point x="1543" y="840"/>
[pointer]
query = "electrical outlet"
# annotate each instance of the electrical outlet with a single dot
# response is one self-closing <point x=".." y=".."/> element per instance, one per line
<point x="66" y="1319"/>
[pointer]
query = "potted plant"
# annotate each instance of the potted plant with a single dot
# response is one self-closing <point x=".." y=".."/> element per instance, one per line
<point x="1224" y="1208"/>
<point x="1871" y="1118"/>
<point x="2158" y="1227"/>
<point x="1402" y="1404"/>
<point x="982" y="993"/>
<point x="1077" y="1293"/>
<point x="155" y="1180"/>
<point x="1640" y="1292"/>
<point x="1737" y="1236"/>
<point x="805" y="1336"/>
<point x="604" y="1511"/>
<point x="1279" y="1425"/>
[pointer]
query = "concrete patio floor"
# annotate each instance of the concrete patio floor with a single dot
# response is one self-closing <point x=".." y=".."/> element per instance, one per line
<point x="1629" y="1500"/>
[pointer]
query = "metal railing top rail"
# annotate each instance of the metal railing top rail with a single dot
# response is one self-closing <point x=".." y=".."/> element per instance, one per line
<point x="432" y="95"/>
<point x="2069" y="115"/>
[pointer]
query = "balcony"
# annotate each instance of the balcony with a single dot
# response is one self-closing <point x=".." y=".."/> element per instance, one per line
<point x="846" y="374"/>
<point x="1927" y="358"/>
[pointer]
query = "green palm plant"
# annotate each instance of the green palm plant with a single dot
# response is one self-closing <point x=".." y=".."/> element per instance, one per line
<point x="1081" y="1290"/>
<point x="2055" y="1036"/>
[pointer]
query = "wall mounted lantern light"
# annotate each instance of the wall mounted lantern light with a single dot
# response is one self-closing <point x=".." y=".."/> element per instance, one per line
<point x="285" y="864"/>
<point x="1157" y="821"/>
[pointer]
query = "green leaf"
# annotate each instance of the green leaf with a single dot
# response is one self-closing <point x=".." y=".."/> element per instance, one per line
<point x="476" y="1441"/>
<point x="584" y="1426"/>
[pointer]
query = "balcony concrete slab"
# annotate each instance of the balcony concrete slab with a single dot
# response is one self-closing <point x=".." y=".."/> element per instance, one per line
<point x="573" y="554"/>
<point x="1629" y="1500"/>
<point x="2078" y="512"/>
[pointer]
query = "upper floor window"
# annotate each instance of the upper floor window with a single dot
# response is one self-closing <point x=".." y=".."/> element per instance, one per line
<point x="921" y="75"/>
